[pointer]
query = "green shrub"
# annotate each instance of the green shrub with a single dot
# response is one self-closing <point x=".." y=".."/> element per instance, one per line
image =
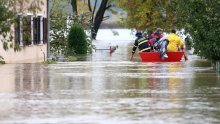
<point x="76" y="40"/>
<point x="2" y="60"/>
<point x="48" y="62"/>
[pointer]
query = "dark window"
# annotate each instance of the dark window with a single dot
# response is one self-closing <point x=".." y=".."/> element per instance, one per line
<point x="45" y="30"/>
<point x="36" y="30"/>
<point x="26" y="30"/>
<point x="17" y="30"/>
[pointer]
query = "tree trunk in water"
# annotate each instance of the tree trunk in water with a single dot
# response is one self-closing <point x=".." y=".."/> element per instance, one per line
<point x="74" y="6"/>
<point x="99" y="18"/>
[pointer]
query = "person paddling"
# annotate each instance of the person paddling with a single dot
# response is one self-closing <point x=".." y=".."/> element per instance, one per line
<point x="142" y="43"/>
<point x="175" y="43"/>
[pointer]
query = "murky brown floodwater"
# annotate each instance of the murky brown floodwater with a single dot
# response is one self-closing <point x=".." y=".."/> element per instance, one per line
<point x="110" y="89"/>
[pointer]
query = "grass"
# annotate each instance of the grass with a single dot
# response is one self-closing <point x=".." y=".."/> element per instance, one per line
<point x="49" y="62"/>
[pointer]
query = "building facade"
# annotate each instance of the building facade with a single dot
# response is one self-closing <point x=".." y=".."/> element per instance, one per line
<point x="30" y="34"/>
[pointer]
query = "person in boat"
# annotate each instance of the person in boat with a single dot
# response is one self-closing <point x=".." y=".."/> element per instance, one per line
<point x="175" y="42"/>
<point x="161" y="46"/>
<point x="155" y="37"/>
<point x="142" y="43"/>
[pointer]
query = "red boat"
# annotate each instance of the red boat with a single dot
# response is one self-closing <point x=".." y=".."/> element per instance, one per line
<point x="155" y="56"/>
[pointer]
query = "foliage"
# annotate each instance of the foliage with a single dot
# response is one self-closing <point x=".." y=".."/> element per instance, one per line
<point x="58" y="27"/>
<point x="49" y="62"/>
<point x="26" y="30"/>
<point x="17" y="48"/>
<point x="61" y="22"/>
<point x="201" y="19"/>
<point x="8" y="10"/>
<point x="97" y="8"/>
<point x="2" y="60"/>
<point x="5" y="45"/>
<point x="150" y="14"/>
<point x="71" y="58"/>
<point x="76" y="41"/>
<point x="5" y="23"/>
<point x="84" y="20"/>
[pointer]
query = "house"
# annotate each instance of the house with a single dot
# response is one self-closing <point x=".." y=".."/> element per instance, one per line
<point x="30" y="34"/>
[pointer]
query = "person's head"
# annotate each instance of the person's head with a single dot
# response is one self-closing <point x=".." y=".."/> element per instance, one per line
<point x="138" y="34"/>
<point x="159" y="31"/>
<point x="173" y="31"/>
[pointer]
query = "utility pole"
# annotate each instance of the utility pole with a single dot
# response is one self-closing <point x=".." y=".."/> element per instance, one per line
<point x="48" y="29"/>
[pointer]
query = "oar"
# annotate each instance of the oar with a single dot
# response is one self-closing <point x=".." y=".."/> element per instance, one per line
<point x="185" y="57"/>
<point x="132" y="57"/>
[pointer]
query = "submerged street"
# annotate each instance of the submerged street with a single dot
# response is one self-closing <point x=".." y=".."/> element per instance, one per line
<point x="108" y="89"/>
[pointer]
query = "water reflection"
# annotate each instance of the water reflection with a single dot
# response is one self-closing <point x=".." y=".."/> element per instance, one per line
<point x="106" y="89"/>
<point x="31" y="78"/>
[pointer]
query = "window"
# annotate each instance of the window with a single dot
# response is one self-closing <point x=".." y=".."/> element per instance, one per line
<point x="45" y="31"/>
<point x="27" y="30"/>
<point x="30" y="30"/>
<point x="17" y="30"/>
<point x="36" y="29"/>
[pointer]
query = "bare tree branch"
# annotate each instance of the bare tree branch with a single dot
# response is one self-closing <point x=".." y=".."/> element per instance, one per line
<point x="89" y="4"/>
<point x="105" y="18"/>
<point x="94" y="11"/>
<point x="74" y="6"/>
<point x="108" y="6"/>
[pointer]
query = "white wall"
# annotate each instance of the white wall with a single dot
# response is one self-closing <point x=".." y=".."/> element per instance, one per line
<point x="28" y="54"/>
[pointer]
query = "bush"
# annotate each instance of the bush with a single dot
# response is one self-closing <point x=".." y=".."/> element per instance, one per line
<point x="2" y="60"/>
<point x="201" y="19"/>
<point x="76" y="40"/>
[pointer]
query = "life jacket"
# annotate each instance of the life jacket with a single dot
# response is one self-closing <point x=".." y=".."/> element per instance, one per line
<point x="174" y="42"/>
<point x="143" y="45"/>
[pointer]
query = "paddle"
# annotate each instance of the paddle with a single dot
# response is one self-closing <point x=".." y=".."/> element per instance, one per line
<point x="185" y="57"/>
<point x="132" y="57"/>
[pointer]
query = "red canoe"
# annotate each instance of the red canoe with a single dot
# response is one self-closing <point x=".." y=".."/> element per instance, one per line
<point x="155" y="56"/>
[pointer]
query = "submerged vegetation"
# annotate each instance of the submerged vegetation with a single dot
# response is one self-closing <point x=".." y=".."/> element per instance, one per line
<point x="76" y="41"/>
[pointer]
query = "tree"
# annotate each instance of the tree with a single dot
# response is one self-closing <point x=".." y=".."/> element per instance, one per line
<point x="6" y="20"/>
<point x="142" y="14"/>
<point x="98" y="9"/>
<point x="62" y="20"/>
<point x="76" y="41"/>
<point x="58" y="22"/>
<point x="74" y="6"/>
<point x="201" y="19"/>
<point x="98" y="17"/>
<point x="6" y="15"/>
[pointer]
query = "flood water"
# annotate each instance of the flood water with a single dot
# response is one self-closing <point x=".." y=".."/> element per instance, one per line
<point x="109" y="89"/>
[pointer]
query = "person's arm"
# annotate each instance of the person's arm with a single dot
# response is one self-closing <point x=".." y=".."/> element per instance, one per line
<point x="135" y="46"/>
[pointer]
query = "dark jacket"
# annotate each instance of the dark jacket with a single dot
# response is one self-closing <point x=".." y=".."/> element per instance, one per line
<point x="141" y="43"/>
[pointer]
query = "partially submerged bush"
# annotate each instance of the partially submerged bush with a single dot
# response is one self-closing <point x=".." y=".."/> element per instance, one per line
<point x="76" y="40"/>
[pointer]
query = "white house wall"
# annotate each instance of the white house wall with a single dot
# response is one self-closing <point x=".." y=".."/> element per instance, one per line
<point x="30" y="53"/>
